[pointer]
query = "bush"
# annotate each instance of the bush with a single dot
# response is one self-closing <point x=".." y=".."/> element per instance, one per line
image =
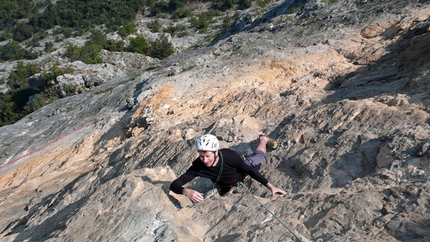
<point x="18" y="77"/>
<point x="5" y="35"/>
<point x="126" y="30"/>
<point x="12" y="105"/>
<point x="244" y="4"/>
<point x="31" y="55"/>
<point x="154" y="26"/>
<point x="181" y="13"/>
<point x="200" y="23"/>
<point x="22" y="31"/>
<point x="89" y="53"/>
<point x="12" y="51"/>
<point x="70" y="14"/>
<point x="223" y="4"/>
<point x="138" y="45"/>
<point x="176" y="4"/>
<point x="8" y="113"/>
<point x="49" y="46"/>
<point x="172" y="30"/>
<point x="67" y="32"/>
<point x="36" y="102"/>
<point x="161" y="48"/>
<point x="114" y="46"/>
<point x="159" y="7"/>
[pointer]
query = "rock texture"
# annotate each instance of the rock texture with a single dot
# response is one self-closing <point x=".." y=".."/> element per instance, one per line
<point x="343" y="87"/>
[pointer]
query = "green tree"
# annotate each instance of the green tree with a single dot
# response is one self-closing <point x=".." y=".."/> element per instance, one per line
<point x="98" y="37"/>
<point x="12" y="51"/>
<point x="39" y="100"/>
<point x="49" y="46"/>
<point x="181" y="13"/>
<point x="90" y="53"/>
<point x="18" y="77"/>
<point x="175" y="4"/>
<point x="154" y="26"/>
<point x="22" y="31"/>
<point x="73" y="52"/>
<point x="200" y="23"/>
<point x="127" y="29"/>
<point x="138" y="45"/>
<point x="115" y="46"/>
<point x="18" y="83"/>
<point x="223" y="4"/>
<point x="161" y="48"/>
<point x="8" y="113"/>
<point x="244" y="4"/>
<point x="159" y="7"/>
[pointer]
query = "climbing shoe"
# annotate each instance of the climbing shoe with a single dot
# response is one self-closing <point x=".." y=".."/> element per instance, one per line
<point x="271" y="143"/>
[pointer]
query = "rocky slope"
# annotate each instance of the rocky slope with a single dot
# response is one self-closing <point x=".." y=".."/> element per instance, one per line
<point x="343" y="87"/>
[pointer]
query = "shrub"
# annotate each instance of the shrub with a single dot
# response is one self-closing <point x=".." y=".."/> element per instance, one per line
<point x="49" y="46"/>
<point x="181" y="13"/>
<point x="67" y="32"/>
<point x="37" y="101"/>
<point x="89" y="53"/>
<point x="138" y="45"/>
<point x="8" y="113"/>
<point x="172" y="30"/>
<point x="98" y="37"/>
<point x="18" y="77"/>
<point x="127" y="29"/>
<point x="176" y="4"/>
<point x="31" y="55"/>
<point x="158" y="7"/>
<point x="114" y="46"/>
<point x="154" y="26"/>
<point x="12" y="51"/>
<point x="223" y="4"/>
<point x="161" y="48"/>
<point x="22" y="31"/>
<point x="244" y="4"/>
<point x="201" y="23"/>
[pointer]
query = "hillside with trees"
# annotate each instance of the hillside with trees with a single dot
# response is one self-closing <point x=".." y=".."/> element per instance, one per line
<point x="28" y="27"/>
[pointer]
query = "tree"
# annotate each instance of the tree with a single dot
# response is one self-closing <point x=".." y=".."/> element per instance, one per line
<point x="7" y="110"/>
<point x="127" y="29"/>
<point x="90" y="53"/>
<point x="12" y="51"/>
<point x="223" y="4"/>
<point x="139" y="45"/>
<point x="18" y="77"/>
<point x="161" y="48"/>
<point x="22" y="31"/>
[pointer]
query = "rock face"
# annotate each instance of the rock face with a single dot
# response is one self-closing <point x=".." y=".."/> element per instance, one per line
<point x="343" y="87"/>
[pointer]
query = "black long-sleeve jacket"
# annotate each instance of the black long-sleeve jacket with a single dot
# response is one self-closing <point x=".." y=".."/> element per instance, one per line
<point x="232" y="173"/>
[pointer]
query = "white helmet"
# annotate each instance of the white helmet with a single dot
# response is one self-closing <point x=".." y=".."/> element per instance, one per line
<point x="207" y="142"/>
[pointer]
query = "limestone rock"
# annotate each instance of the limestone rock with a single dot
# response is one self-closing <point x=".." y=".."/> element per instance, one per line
<point x="341" y="86"/>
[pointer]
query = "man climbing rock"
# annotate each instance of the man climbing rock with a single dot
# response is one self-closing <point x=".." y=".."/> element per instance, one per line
<point x="225" y="167"/>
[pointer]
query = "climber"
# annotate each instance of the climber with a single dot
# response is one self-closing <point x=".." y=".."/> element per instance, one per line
<point x="225" y="167"/>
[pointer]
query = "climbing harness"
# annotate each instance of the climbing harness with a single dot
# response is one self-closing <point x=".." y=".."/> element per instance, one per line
<point x="240" y="184"/>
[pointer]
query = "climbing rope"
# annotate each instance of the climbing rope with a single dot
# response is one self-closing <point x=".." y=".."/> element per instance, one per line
<point x="240" y="184"/>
